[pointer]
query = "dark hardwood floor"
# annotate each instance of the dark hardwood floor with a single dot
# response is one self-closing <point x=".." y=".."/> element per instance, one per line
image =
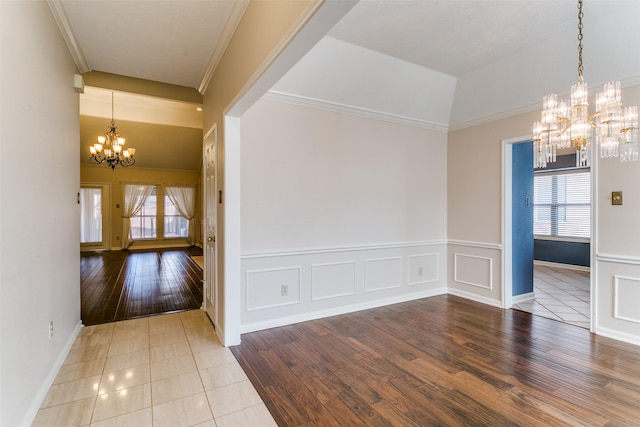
<point x="442" y="361"/>
<point x="119" y="285"/>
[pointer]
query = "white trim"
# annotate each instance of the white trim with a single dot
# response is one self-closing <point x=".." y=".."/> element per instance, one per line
<point x="316" y="251"/>
<point x="252" y="327"/>
<point x="630" y="81"/>
<point x="371" y="261"/>
<point x="616" y="298"/>
<point x="303" y="101"/>
<point x="473" y="297"/>
<point x="480" y="245"/>
<point x="232" y="22"/>
<point x="330" y="264"/>
<point x="297" y="268"/>
<point x="618" y="259"/>
<point x="60" y="16"/>
<point x="46" y="385"/>
<point x="422" y="282"/>
<point x="564" y="266"/>
<point x="617" y="335"/>
<point x="455" y="271"/>
<point x="507" y="209"/>
<point x="232" y="279"/>
<point x="523" y="297"/>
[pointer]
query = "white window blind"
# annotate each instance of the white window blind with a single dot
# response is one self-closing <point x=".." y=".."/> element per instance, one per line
<point x="562" y="204"/>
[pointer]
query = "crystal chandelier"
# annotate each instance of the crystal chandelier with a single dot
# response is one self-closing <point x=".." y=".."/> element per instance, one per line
<point x="110" y="147"/>
<point x="565" y="124"/>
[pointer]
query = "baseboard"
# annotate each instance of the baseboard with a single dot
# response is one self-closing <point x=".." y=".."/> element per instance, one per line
<point x="474" y="297"/>
<point x="560" y="265"/>
<point x="619" y="336"/>
<point x="523" y="297"/>
<point x="340" y="310"/>
<point x="31" y="414"/>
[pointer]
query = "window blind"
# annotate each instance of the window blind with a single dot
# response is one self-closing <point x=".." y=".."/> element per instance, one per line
<point x="562" y="204"/>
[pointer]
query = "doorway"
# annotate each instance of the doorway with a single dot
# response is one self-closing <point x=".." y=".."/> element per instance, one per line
<point x="560" y="274"/>
<point x="94" y="202"/>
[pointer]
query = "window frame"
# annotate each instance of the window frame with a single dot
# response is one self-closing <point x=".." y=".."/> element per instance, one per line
<point x="555" y="229"/>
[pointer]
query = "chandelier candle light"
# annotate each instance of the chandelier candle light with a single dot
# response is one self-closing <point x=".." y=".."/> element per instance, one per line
<point x="565" y="124"/>
<point x="110" y="147"/>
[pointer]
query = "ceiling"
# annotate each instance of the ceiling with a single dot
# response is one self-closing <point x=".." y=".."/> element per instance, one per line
<point x="456" y="62"/>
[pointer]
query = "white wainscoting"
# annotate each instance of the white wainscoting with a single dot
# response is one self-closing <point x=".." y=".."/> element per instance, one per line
<point x="383" y="273"/>
<point x="333" y="280"/>
<point x="627" y="298"/>
<point x="475" y="271"/>
<point x="617" y="297"/>
<point x="330" y="281"/>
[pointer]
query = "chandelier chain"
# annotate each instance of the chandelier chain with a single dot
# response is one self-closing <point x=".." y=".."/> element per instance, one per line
<point x="580" y="15"/>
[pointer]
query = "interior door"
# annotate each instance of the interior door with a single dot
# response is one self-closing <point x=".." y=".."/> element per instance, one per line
<point x="94" y="217"/>
<point x="210" y="244"/>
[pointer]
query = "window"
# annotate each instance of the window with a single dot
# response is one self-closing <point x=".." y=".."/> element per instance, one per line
<point x="175" y="225"/>
<point x="562" y="204"/>
<point x="143" y="223"/>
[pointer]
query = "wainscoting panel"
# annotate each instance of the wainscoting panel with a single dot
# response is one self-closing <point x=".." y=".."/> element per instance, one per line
<point x="616" y="297"/>
<point x="333" y="280"/>
<point x="473" y="270"/>
<point x="329" y="281"/>
<point x="384" y="273"/>
<point x="627" y="298"/>
<point x="422" y="264"/>
<point x="272" y="288"/>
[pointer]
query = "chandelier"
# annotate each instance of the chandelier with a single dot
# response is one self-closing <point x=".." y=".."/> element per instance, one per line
<point x="110" y="147"/>
<point x="567" y="123"/>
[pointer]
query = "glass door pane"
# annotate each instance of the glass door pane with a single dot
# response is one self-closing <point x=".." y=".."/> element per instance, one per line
<point x="91" y="215"/>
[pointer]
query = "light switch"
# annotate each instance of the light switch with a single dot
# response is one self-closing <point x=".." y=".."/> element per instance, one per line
<point x="616" y="197"/>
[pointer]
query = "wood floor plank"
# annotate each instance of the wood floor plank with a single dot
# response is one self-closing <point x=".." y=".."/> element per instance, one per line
<point x="442" y="361"/>
<point x="119" y="285"/>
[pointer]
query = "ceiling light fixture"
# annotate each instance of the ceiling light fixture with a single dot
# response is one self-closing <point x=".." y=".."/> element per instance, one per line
<point x="564" y="124"/>
<point x="110" y="147"/>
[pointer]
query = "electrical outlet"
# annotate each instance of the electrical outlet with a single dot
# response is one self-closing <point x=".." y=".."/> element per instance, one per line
<point x="284" y="290"/>
<point x="51" y="329"/>
<point x="419" y="271"/>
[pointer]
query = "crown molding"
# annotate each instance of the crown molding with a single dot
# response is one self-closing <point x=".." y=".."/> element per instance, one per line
<point x="626" y="82"/>
<point x="335" y="107"/>
<point x="238" y="8"/>
<point x="60" y="16"/>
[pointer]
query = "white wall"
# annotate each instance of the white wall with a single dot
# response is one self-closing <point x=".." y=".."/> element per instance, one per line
<point x="617" y="263"/>
<point x="347" y="212"/>
<point x="39" y="178"/>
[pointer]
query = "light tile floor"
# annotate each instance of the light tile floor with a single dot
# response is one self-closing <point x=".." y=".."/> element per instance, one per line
<point x="561" y="294"/>
<point x="167" y="370"/>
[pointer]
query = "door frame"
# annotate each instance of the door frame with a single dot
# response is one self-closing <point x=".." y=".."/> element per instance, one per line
<point x="507" y="206"/>
<point x="106" y="217"/>
<point x="211" y="133"/>
<point x="507" y="248"/>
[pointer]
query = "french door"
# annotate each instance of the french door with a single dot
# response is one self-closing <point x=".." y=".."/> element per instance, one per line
<point x="94" y="217"/>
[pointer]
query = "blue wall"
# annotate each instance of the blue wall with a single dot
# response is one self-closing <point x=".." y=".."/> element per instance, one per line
<point x="574" y="253"/>
<point x="522" y="218"/>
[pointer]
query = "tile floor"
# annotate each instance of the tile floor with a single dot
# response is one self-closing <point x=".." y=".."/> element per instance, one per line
<point x="167" y="370"/>
<point x="561" y="294"/>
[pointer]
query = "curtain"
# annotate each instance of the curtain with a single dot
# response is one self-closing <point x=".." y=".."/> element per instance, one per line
<point x="133" y="197"/>
<point x="184" y="199"/>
